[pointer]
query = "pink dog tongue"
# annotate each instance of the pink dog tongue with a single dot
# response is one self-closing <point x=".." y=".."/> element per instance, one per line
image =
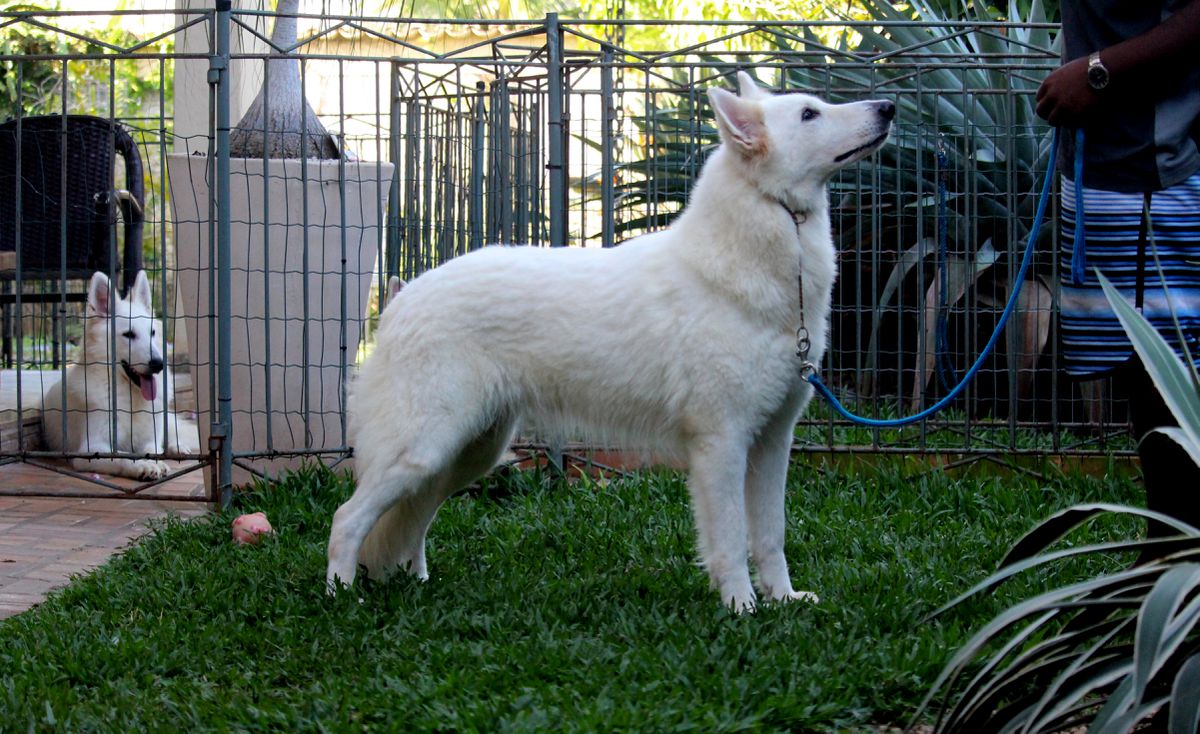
<point x="149" y="386"/>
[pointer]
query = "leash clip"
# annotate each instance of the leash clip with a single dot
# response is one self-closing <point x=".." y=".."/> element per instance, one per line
<point x="803" y="343"/>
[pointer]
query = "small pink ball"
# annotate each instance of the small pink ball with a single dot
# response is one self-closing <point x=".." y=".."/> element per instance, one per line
<point x="249" y="529"/>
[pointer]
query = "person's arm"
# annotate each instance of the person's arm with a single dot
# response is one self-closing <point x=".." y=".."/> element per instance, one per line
<point x="1065" y="98"/>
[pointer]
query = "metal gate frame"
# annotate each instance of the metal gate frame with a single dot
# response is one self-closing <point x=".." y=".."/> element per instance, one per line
<point x="546" y="132"/>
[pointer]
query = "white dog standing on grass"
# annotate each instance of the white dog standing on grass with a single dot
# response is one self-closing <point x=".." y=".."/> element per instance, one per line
<point x="682" y="342"/>
<point x="116" y="400"/>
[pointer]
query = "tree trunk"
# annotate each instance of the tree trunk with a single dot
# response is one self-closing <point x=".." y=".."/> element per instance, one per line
<point x="280" y="109"/>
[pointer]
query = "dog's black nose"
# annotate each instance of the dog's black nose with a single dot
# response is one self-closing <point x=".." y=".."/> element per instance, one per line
<point x="887" y="110"/>
<point x="155" y="365"/>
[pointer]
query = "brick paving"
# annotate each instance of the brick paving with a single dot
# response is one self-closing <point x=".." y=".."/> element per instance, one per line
<point x="44" y="541"/>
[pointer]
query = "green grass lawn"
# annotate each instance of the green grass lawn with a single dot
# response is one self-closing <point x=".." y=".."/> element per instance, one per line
<point x="549" y="608"/>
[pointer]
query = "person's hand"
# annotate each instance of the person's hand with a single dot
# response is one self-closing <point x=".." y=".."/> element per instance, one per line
<point x="1065" y="98"/>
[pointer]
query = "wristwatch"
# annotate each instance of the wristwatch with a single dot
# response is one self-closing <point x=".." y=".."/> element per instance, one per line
<point x="1097" y="72"/>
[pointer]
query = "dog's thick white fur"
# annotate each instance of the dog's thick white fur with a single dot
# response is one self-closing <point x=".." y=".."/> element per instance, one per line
<point x="681" y="341"/>
<point x="132" y="385"/>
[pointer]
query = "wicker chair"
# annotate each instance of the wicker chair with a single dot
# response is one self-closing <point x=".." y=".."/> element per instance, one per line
<point x="67" y="213"/>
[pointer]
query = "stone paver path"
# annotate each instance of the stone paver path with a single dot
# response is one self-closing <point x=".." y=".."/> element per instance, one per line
<point x="45" y="541"/>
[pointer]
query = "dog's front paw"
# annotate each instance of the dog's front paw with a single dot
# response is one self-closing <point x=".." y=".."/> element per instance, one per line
<point x="805" y="596"/>
<point x="782" y="592"/>
<point x="740" y="602"/>
<point x="149" y="469"/>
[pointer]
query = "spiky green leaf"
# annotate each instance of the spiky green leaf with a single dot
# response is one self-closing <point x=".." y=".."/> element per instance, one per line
<point x="1064" y="521"/>
<point x="1184" y="717"/>
<point x="1151" y="646"/>
<point x="1170" y="375"/>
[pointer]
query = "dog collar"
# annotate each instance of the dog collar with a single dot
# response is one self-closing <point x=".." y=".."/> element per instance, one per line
<point x="798" y="218"/>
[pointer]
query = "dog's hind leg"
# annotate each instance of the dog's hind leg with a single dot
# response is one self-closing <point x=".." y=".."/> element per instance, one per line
<point x="403" y="482"/>
<point x="766" y="483"/>
<point x="716" y="471"/>
<point x="397" y="541"/>
<point x="409" y="472"/>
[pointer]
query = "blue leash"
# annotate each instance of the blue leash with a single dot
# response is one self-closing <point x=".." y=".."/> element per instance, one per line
<point x="1078" y="258"/>
<point x="809" y="370"/>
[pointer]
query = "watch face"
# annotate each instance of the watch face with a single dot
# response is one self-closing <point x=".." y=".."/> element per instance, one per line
<point x="1097" y="76"/>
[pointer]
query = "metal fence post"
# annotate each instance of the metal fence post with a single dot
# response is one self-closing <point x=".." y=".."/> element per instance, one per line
<point x="555" y="128"/>
<point x="415" y="252"/>
<point x="499" y="223"/>
<point x="395" y="241"/>
<point x="222" y="429"/>
<point x="607" y="171"/>
<point x="479" y="121"/>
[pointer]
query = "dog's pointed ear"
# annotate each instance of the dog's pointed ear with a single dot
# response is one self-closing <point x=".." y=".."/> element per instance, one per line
<point x="99" y="294"/>
<point x="140" y="293"/>
<point x="748" y="88"/>
<point x="740" y="122"/>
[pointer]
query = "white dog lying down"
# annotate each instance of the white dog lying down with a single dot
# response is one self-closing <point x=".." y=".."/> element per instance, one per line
<point x="133" y="383"/>
<point x="682" y="341"/>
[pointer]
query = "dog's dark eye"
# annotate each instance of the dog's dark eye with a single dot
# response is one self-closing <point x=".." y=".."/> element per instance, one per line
<point x="809" y="114"/>
<point x="129" y="335"/>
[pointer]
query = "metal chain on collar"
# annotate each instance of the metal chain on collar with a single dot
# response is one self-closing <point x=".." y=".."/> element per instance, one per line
<point x="803" y="342"/>
<point x="803" y="338"/>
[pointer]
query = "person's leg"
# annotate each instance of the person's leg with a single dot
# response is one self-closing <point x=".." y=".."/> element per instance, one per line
<point x="1171" y="478"/>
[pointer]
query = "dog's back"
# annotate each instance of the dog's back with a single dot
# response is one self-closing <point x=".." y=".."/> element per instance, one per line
<point x="616" y="375"/>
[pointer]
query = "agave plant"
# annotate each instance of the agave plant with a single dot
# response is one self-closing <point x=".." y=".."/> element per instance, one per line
<point x="966" y="157"/>
<point x="1113" y="653"/>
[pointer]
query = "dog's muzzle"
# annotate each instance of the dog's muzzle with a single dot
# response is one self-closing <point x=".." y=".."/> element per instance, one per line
<point x="887" y="112"/>
<point x="147" y="384"/>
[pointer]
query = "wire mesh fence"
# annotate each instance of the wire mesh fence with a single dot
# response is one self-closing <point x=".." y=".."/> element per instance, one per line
<point x="268" y="275"/>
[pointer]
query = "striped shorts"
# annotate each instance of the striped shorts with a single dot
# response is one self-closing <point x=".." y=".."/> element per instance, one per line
<point x="1093" y="342"/>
